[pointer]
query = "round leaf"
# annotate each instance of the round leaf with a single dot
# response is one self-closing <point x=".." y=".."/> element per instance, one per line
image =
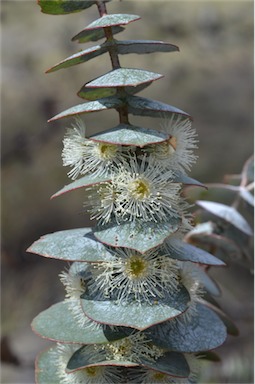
<point x="135" y="235"/>
<point x="124" y="77"/>
<point x="79" y="58"/>
<point x="112" y="20"/>
<point x="144" y="46"/>
<point x="57" y="323"/>
<point x="186" y="252"/>
<point x="229" y="214"/>
<point x="93" y="106"/>
<point x="84" y="181"/>
<point x="146" y="107"/>
<point x="205" y="331"/>
<point x="171" y="363"/>
<point x="124" y="134"/>
<point x="96" y="93"/>
<point x="45" y="367"/>
<point x="63" y="7"/>
<point x="135" y="315"/>
<point x="71" y="245"/>
<point x="94" y="34"/>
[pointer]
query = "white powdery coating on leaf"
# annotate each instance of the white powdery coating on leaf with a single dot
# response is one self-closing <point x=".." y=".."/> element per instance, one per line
<point x="149" y="376"/>
<point x="133" y="275"/>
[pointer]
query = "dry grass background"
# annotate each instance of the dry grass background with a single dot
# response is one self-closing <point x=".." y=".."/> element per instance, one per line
<point x="211" y="78"/>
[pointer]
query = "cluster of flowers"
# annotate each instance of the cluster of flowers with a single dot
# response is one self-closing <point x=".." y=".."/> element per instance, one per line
<point x="140" y="187"/>
<point x="141" y="182"/>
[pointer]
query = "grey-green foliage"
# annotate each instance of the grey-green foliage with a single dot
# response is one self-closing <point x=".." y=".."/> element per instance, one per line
<point x="134" y="309"/>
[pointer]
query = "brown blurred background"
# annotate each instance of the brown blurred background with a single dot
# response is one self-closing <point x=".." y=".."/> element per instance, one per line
<point x="211" y="78"/>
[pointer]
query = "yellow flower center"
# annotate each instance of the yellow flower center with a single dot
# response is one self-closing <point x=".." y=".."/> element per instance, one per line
<point x="136" y="266"/>
<point x="92" y="371"/>
<point x="107" y="151"/>
<point x="159" y="376"/>
<point x="139" y="189"/>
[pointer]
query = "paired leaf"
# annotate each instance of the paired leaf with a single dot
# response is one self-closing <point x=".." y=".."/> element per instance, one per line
<point x="71" y="245"/>
<point x="147" y="107"/>
<point x="63" y="7"/>
<point x="180" y="250"/>
<point x="57" y="323"/>
<point x="84" y="181"/>
<point x="136" y="235"/>
<point x="97" y="93"/>
<point x="135" y="315"/>
<point x="171" y="363"/>
<point x="79" y="58"/>
<point x="112" y="20"/>
<point x="203" y="234"/>
<point x="123" y="77"/>
<point x="93" y="106"/>
<point x="45" y="367"/>
<point x="95" y="34"/>
<point x="205" y="331"/>
<point x="229" y="214"/>
<point x="127" y="134"/>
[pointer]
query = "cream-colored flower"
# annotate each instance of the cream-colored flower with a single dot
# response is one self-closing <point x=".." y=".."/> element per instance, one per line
<point x="177" y="152"/>
<point x="87" y="156"/>
<point x="88" y="375"/>
<point x="136" y="276"/>
<point x="145" y="191"/>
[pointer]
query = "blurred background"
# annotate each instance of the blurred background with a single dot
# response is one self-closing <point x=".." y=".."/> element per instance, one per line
<point x="211" y="78"/>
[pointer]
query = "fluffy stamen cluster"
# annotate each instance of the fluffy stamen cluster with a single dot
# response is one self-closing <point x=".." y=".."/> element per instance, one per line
<point x="87" y="156"/>
<point x="88" y="375"/>
<point x="75" y="282"/>
<point x="134" y="348"/>
<point x="135" y="276"/>
<point x="177" y="152"/>
<point x="139" y="190"/>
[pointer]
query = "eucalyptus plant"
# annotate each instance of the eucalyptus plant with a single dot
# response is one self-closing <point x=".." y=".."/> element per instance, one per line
<point x="138" y="305"/>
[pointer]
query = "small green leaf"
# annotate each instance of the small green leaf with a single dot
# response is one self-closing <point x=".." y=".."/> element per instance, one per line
<point x="63" y="7"/>
<point x="229" y="214"/>
<point x="124" y="134"/>
<point x="205" y="331"/>
<point x="135" y="315"/>
<point x="79" y="58"/>
<point x="71" y="245"/>
<point x="57" y="323"/>
<point x="96" y="93"/>
<point x="144" y="46"/>
<point x="45" y="367"/>
<point x="94" y="34"/>
<point x="122" y="77"/>
<point x="93" y="106"/>
<point x="180" y="250"/>
<point x="146" y="107"/>
<point x="171" y="363"/>
<point x="112" y="20"/>
<point x="84" y="181"/>
<point x="135" y="235"/>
